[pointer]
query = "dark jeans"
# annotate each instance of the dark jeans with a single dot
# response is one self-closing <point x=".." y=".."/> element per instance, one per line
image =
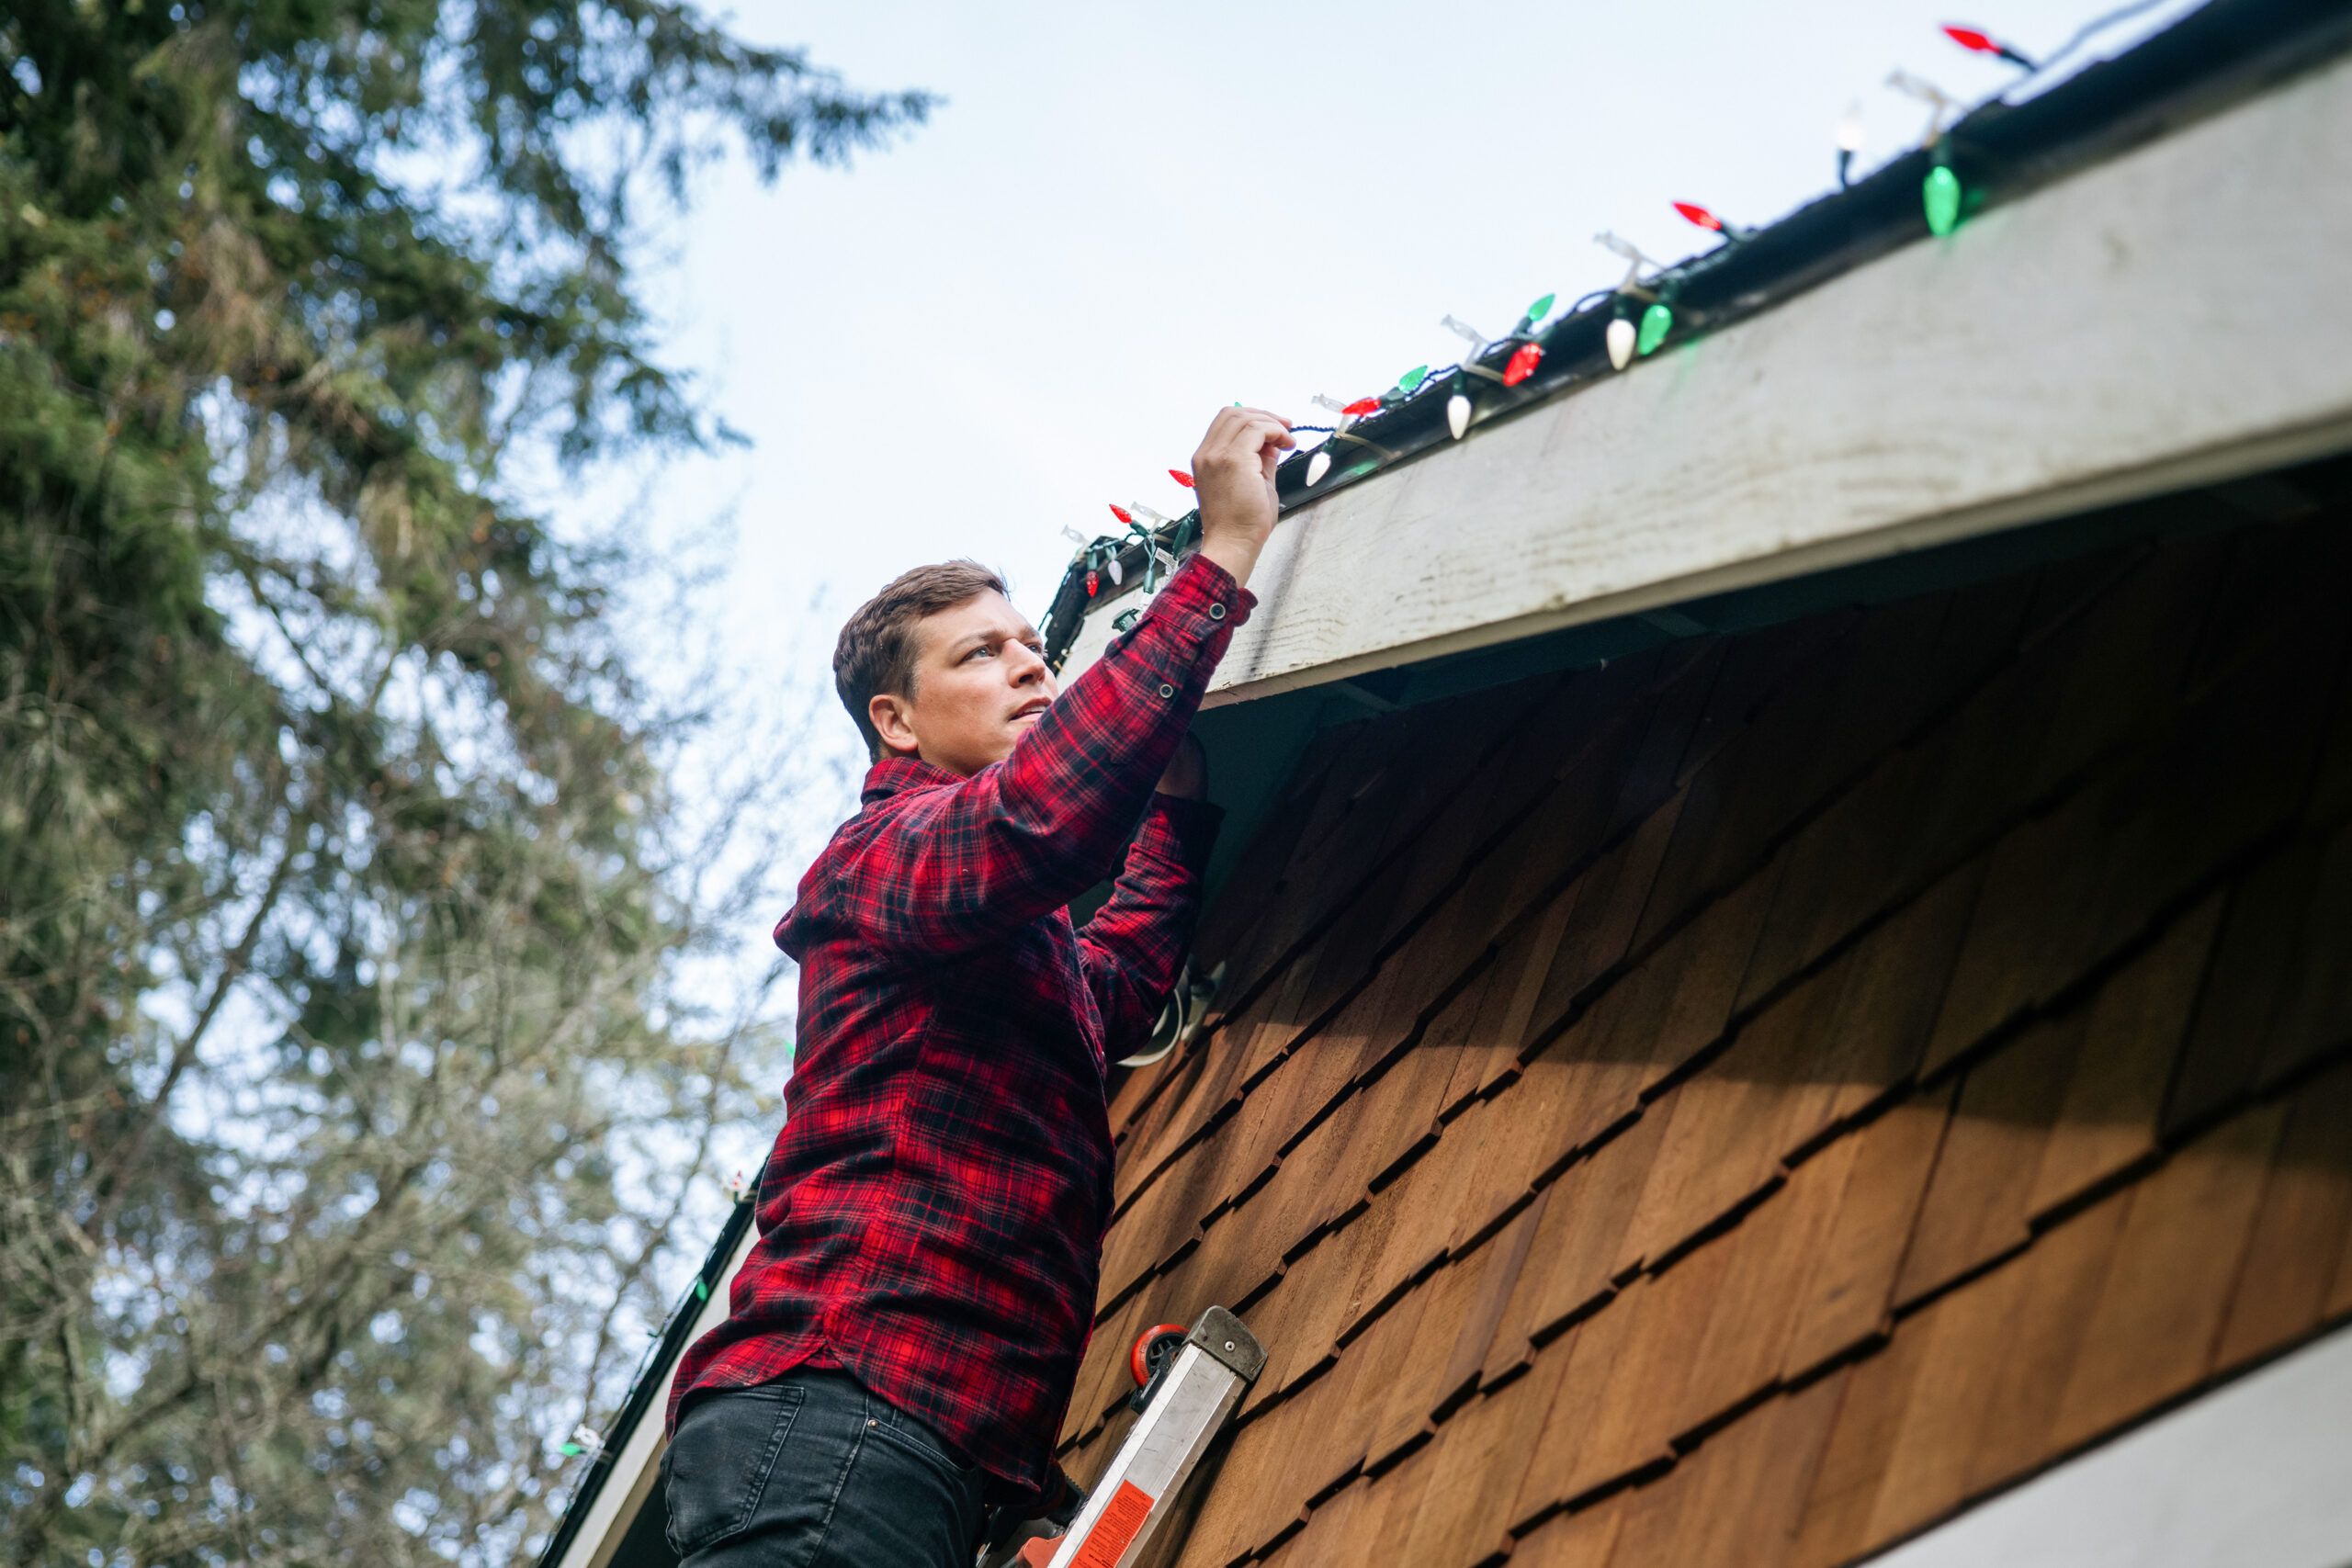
<point x="812" y="1470"/>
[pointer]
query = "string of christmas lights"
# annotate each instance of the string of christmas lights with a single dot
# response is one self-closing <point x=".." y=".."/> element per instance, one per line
<point x="1641" y="307"/>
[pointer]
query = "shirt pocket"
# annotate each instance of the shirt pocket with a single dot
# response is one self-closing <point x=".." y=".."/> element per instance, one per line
<point x="718" y="1465"/>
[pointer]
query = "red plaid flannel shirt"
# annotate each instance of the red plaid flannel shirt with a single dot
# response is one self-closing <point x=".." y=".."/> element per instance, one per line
<point x="931" y="1218"/>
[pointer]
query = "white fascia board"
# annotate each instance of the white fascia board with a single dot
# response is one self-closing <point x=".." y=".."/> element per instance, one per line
<point x="628" y="1486"/>
<point x="2176" y="315"/>
<point x="2256" y="1474"/>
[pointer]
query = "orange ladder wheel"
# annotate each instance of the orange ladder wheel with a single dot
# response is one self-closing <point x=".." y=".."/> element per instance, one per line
<point x="1152" y="1347"/>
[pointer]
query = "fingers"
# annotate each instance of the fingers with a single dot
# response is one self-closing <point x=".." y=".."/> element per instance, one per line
<point x="1239" y="434"/>
<point x="1259" y="427"/>
<point x="1230" y="421"/>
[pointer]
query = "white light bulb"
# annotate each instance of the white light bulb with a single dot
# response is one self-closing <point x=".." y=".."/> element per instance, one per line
<point x="1318" y="465"/>
<point x="1117" y="575"/>
<point x="1850" y="130"/>
<point x="1457" y="414"/>
<point x="1622" y="335"/>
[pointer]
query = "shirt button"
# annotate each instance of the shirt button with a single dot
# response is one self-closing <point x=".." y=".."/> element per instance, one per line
<point x="1216" y="612"/>
<point x="1166" y="691"/>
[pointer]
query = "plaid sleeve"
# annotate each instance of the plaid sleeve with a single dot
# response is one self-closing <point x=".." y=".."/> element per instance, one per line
<point x="1133" y="947"/>
<point x="956" y="867"/>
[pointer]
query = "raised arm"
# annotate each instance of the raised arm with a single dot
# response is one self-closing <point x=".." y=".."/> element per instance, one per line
<point x="950" y="869"/>
<point x="956" y="867"/>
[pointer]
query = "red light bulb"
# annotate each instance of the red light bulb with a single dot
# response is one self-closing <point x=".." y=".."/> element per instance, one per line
<point x="1982" y="42"/>
<point x="1362" y="407"/>
<point x="1181" y="477"/>
<point x="1123" y="515"/>
<point x="1700" y="215"/>
<point x="1093" y="583"/>
<point x="1523" y="363"/>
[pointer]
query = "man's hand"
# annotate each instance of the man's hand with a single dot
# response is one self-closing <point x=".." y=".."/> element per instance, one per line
<point x="1188" y="771"/>
<point x="1234" y="471"/>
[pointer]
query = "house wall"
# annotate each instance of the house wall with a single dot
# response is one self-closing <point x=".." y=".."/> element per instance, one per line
<point x="1746" y="1101"/>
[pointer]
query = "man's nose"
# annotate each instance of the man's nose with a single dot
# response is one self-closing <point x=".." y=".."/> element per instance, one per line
<point x="1028" y="667"/>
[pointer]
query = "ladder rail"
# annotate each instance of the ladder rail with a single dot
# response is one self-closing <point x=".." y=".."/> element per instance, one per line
<point x="1198" y="1391"/>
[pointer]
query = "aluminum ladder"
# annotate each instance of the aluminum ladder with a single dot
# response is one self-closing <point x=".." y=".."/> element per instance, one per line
<point x="1194" y="1386"/>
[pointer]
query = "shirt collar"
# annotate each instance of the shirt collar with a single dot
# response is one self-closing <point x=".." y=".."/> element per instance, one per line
<point x="892" y="774"/>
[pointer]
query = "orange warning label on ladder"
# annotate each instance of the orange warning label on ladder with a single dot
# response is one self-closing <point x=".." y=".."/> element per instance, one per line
<point x="1122" y="1519"/>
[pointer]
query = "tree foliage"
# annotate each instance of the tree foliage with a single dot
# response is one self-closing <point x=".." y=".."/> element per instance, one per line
<point x="346" y="1078"/>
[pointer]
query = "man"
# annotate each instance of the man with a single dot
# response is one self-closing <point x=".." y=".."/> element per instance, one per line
<point x="903" y="1340"/>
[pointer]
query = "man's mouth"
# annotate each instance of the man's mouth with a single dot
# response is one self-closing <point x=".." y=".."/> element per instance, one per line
<point x="1031" y="710"/>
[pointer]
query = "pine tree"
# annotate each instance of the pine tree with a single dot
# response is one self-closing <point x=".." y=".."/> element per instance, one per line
<point x="342" y="879"/>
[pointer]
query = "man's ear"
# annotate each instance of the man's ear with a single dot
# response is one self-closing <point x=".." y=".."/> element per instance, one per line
<point x="889" y="712"/>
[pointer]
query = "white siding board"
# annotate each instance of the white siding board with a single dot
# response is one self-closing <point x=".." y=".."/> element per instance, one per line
<point x="2257" y="1474"/>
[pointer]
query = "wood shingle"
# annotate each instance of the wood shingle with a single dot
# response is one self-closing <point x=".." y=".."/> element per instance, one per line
<point x="1770" y="1120"/>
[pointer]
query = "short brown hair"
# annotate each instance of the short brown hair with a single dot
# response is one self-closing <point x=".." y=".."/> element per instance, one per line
<point x="876" y="651"/>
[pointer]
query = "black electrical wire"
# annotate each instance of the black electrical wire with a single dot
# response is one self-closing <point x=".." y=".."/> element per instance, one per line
<point x="2083" y="35"/>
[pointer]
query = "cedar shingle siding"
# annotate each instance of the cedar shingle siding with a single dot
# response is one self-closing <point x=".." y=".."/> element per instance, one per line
<point x="1742" y="1103"/>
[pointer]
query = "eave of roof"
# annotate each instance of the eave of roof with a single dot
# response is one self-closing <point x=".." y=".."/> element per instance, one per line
<point x="2225" y="53"/>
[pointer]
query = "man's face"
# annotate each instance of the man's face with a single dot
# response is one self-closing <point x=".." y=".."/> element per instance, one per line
<point x="980" y="684"/>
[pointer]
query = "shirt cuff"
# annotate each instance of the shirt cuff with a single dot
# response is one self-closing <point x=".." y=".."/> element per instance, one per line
<point x="1200" y="604"/>
<point x="1191" y="826"/>
<point x="1219" y="586"/>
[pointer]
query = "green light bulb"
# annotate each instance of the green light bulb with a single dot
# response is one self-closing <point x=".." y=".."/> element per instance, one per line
<point x="1941" y="194"/>
<point x="1412" y="380"/>
<point x="1656" y="321"/>
<point x="1541" y="309"/>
